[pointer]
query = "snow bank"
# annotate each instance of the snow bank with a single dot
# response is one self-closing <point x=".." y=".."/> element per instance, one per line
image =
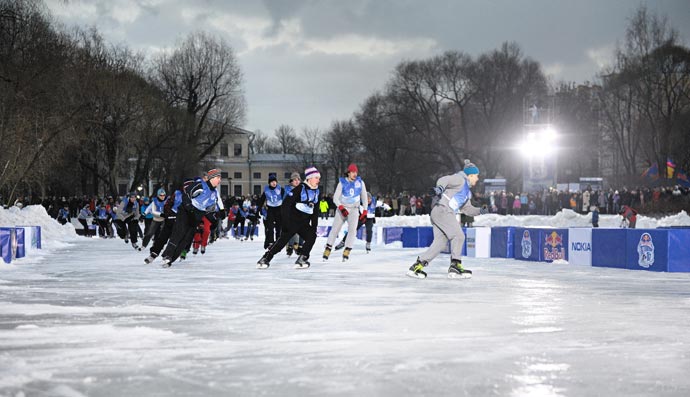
<point x="53" y="234"/>
<point x="563" y="219"/>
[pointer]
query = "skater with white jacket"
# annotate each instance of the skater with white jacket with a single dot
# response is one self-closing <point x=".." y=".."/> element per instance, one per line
<point x="350" y="194"/>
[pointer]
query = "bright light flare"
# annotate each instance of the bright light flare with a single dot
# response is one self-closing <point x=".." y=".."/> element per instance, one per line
<point x="539" y="143"/>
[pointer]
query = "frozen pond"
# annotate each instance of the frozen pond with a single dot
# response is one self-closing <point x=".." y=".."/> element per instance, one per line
<point x="92" y="319"/>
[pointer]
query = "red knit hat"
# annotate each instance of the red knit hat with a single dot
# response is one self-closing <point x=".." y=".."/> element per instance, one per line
<point x="352" y="168"/>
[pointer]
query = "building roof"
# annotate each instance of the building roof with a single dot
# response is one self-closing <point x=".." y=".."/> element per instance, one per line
<point x="274" y="158"/>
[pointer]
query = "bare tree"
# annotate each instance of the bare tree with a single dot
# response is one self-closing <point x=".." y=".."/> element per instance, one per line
<point x="287" y="139"/>
<point x="203" y="78"/>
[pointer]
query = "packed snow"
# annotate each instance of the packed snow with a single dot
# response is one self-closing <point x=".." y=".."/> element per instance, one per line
<point x="87" y="317"/>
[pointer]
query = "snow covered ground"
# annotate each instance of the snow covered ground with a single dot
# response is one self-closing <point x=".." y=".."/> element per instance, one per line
<point x="87" y="317"/>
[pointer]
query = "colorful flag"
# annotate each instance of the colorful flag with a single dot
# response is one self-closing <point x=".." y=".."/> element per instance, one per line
<point x="682" y="178"/>
<point x="670" y="168"/>
<point x="652" y="172"/>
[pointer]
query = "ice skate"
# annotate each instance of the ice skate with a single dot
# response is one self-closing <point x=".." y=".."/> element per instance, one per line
<point x="183" y="255"/>
<point x="302" y="262"/>
<point x="203" y="250"/>
<point x="368" y="247"/>
<point x="150" y="259"/>
<point x="327" y="252"/>
<point x="457" y="271"/>
<point x="166" y="263"/>
<point x="340" y="245"/>
<point x="264" y="262"/>
<point x="417" y="270"/>
<point x="196" y="251"/>
<point x="346" y="254"/>
<point x="136" y="247"/>
<point x="289" y="250"/>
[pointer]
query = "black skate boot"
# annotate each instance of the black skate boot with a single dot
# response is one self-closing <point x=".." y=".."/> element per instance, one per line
<point x="417" y="270"/>
<point x="135" y="246"/>
<point x="302" y="262"/>
<point x="457" y="271"/>
<point x="327" y="252"/>
<point x="346" y="254"/>
<point x="265" y="261"/>
<point x="368" y="247"/>
<point x="340" y="245"/>
<point x="289" y="250"/>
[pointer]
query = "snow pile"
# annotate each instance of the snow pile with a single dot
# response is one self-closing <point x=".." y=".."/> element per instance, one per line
<point x="563" y="219"/>
<point x="53" y="234"/>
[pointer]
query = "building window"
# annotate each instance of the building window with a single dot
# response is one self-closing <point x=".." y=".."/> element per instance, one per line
<point x="287" y="176"/>
<point x="257" y="175"/>
<point x="224" y="175"/>
<point x="237" y="175"/>
<point x="238" y="149"/>
<point x="224" y="149"/>
<point x="224" y="190"/>
<point x="238" y="190"/>
<point x="257" y="190"/>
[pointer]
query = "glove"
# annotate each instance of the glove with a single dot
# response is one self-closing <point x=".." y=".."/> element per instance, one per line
<point x="363" y="216"/>
<point x="436" y="190"/>
<point x="483" y="210"/>
<point x="343" y="211"/>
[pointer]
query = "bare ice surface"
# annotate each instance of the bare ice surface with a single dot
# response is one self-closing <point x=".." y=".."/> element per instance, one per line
<point x="91" y="319"/>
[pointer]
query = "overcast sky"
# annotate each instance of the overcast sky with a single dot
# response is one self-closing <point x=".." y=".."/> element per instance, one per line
<point x="309" y="62"/>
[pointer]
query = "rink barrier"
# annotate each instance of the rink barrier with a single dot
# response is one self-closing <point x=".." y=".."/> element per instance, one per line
<point x="662" y="249"/>
<point x="540" y="244"/>
<point x="8" y="244"/>
<point x="502" y="242"/>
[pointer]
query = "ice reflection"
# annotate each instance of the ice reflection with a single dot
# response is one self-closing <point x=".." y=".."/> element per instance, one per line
<point x="539" y="306"/>
<point x="538" y="311"/>
<point x="537" y="378"/>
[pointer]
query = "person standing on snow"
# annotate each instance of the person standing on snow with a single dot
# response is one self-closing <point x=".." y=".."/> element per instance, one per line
<point x="452" y="195"/>
<point x="272" y="197"/>
<point x="302" y="217"/>
<point x="350" y="194"/>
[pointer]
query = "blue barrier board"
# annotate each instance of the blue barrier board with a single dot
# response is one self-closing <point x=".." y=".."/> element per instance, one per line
<point x="660" y="250"/>
<point x="527" y="244"/>
<point x="554" y="244"/>
<point x="502" y="241"/>
<point x="608" y="248"/>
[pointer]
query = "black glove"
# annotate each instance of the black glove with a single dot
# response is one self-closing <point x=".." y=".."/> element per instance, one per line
<point x="436" y="190"/>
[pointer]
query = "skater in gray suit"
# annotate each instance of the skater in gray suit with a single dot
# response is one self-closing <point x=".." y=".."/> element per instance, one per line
<point x="452" y="196"/>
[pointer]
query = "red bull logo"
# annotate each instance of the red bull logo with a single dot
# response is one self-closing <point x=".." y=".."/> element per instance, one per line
<point x="553" y="247"/>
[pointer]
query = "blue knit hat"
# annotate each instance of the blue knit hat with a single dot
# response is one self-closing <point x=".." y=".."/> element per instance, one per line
<point x="470" y="168"/>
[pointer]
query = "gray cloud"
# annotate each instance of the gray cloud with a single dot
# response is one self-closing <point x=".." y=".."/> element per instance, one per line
<point x="308" y="62"/>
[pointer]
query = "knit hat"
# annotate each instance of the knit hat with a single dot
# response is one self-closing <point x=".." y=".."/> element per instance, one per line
<point x="311" y="172"/>
<point x="272" y="177"/>
<point x="470" y="168"/>
<point x="212" y="173"/>
<point x="161" y="192"/>
<point x="295" y="176"/>
<point x="352" y="168"/>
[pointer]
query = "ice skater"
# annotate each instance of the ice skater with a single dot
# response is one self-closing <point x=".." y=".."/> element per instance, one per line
<point x="301" y="211"/>
<point x="451" y="196"/>
<point x="349" y="195"/>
